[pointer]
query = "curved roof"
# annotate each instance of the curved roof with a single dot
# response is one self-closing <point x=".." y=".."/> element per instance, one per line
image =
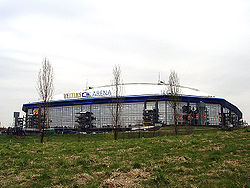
<point x="130" y="89"/>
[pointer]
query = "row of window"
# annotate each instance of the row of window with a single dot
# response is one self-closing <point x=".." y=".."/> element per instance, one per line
<point x="132" y="113"/>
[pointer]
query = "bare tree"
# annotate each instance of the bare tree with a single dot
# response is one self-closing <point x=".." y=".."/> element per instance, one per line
<point x="173" y="91"/>
<point x="45" y="88"/>
<point x="116" y="105"/>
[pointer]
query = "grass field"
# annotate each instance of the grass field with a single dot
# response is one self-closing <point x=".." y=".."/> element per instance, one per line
<point x="213" y="159"/>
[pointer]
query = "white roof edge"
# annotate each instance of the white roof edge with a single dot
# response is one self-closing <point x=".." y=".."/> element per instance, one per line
<point x="143" y="83"/>
<point x="129" y="89"/>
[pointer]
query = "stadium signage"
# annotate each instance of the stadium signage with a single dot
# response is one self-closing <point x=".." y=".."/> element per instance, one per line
<point x="95" y="93"/>
<point x="100" y="93"/>
<point x="72" y="95"/>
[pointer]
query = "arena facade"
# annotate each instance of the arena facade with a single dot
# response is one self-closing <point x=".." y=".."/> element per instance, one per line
<point x="195" y="107"/>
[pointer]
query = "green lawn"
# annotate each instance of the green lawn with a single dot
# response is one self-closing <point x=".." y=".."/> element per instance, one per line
<point x="213" y="159"/>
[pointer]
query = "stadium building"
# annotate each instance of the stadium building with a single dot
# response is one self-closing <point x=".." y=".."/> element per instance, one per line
<point x="195" y="107"/>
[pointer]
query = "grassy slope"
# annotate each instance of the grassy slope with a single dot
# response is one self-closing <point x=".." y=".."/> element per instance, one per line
<point x="215" y="159"/>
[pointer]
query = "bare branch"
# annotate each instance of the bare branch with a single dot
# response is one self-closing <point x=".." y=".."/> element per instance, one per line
<point x="45" y="81"/>
<point x="45" y="88"/>
<point x="173" y="91"/>
<point x="116" y="105"/>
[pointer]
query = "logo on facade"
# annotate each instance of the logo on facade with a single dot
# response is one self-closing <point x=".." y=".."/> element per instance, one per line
<point x="72" y="95"/>
<point x="100" y="93"/>
<point x="35" y="111"/>
<point x="85" y="94"/>
<point x="95" y="93"/>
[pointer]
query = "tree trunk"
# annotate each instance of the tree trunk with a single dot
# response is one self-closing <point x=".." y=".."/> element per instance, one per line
<point x="43" y="122"/>
<point x="42" y="135"/>
<point x="115" y="133"/>
<point x="116" y="121"/>
<point x="78" y="133"/>
<point x="175" y="121"/>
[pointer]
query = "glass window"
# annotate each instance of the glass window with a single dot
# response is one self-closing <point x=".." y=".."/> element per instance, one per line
<point x="67" y="111"/>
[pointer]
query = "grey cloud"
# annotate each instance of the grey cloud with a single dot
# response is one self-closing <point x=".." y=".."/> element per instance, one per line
<point x="55" y="8"/>
<point x="8" y="64"/>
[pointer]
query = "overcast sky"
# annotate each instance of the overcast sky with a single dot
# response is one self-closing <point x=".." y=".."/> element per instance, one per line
<point x="207" y="42"/>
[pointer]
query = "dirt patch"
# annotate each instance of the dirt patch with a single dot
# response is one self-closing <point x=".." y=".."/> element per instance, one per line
<point x="198" y="161"/>
<point x="167" y="140"/>
<point x="72" y="158"/>
<point x="130" y="150"/>
<point x="102" y="173"/>
<point x="188" y="178"/>
<point x="121" y="151"/>
<point x="211" y="148"/>
<point x="58" y="186"/>
<point x="35" y="176"/>
<point x="83" y="179"/>
<point x="5" y="182"/>
<point x="106" y="161"/>
<point x="177" y="159"/>
<point x="162" y="141"/>
<point x="184" y="169"/>
<point x="133" y="149"/>
<point x="234" y="163"/>
<point x="19" y="178"/>
<point x="132" y="178"/>
<point x="104" y="149"/>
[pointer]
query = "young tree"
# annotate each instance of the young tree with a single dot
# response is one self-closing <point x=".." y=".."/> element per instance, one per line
<point x="45" y="88"/>
<point x="173" y="91"/>
<point x="116" y="106"/>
